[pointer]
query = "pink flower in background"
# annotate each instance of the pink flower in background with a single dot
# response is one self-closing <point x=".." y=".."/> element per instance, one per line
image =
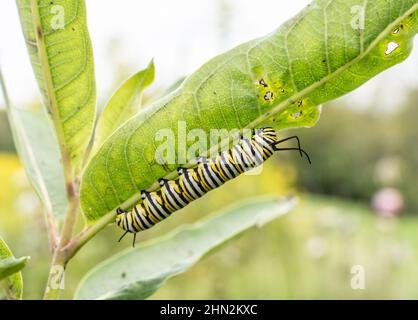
<point x="388" y="202"/>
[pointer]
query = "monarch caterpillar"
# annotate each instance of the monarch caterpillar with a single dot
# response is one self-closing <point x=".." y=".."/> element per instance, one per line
<point x="193" y="183"/>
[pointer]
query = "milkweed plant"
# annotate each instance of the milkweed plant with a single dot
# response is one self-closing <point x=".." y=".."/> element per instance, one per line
<point x="135" y="164"/>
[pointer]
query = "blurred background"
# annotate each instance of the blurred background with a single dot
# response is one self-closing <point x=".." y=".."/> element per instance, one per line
<point x="358" y="199"/>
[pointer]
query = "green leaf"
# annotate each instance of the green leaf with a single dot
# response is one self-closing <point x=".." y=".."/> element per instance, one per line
<point x="10" y="275"/>
<point x="321" y="54"/>
<point x="38" y="150"/>
<point x="60" y="51"/>
<point x="138" y="273"/>
<point x="124" y="103"/>
<point x="10" y="266"/>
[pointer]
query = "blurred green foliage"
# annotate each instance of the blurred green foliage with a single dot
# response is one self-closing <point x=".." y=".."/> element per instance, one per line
<point x="308" y="254"/>
<point x="6" y="141"/>
<point x="357" y="152"/>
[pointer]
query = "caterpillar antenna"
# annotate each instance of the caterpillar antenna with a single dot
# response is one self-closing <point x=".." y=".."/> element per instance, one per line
<point x="300" y="150"/>
<point x="289" y="138"/>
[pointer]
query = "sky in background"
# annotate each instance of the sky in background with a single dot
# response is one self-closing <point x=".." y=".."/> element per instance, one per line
<point x="180" y="35"/>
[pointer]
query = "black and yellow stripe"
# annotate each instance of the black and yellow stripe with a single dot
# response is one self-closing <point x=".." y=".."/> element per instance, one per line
<point x="193" y="183"/>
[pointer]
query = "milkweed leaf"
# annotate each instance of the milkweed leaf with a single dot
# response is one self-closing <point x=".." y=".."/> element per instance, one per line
<point x="10" y="275"/>
<point x="60" y="51"/>
<point x="38" y="150"/>
<point x="124" y="103"/>
<point x="138" y="273"/>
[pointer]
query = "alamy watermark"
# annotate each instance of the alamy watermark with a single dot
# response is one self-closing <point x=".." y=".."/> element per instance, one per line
<point x="58" y="17"/>
<point x="57" y="278"/>
<point x="358" y="19"/>
<point x="358" y="278"/>
<point x="186" y="147"/>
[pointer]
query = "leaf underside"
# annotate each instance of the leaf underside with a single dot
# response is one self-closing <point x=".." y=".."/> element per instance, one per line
<point x="138" y="273"/>
<point x="61" y="55"/>
<point x="38" y="150"/>
<point x="321" y="54"/>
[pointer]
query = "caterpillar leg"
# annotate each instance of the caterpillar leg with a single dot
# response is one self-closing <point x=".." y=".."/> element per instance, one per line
<point x="126" y="232"/>
<point x="144" y="194"/>
<point x="162" y="182"/>
<point x="180" y="171"/>
<point x="202" y="159"/>
<point x="133" y="242"/>
<point x="119" y="218"/>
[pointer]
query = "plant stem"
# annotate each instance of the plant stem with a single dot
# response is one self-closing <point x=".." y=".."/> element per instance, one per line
<point x="87" y="234"/>
<point x="60" y="259"/>
<point x="51" y="227"/>
<point x="69" y="247"/>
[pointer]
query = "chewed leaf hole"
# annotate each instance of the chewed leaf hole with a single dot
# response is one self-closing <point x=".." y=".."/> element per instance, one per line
<point x="398" y="29"/>
<point x="392" y="46"/>
<point x="263" y="83"/>
<point x="269" y="96"/>
<point x="297" y="115"/>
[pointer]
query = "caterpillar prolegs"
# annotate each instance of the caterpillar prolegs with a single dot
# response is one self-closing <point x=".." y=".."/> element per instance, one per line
<point x="193" y="183"/>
